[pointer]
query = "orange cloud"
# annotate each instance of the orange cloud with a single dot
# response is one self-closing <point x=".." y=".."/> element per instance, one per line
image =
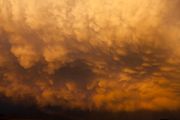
<point x="118" y="55"/>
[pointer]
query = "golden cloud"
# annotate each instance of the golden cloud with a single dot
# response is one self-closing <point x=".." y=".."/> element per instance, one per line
<point x="118" y="55"/>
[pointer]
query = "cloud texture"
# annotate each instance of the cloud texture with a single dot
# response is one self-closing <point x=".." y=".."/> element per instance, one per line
<point x="117" y="55"/>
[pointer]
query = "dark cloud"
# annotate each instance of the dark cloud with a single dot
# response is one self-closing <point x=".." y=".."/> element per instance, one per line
<point x="92" y="55"/>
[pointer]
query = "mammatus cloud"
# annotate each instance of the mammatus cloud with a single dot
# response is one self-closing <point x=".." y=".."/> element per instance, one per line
<point x="118" y="55"/>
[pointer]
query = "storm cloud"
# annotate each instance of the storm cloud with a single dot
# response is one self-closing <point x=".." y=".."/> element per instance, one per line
<point x="116" y="55"/>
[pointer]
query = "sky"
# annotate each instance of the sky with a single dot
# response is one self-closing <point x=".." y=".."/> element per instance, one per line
<point x="105" y="55"/>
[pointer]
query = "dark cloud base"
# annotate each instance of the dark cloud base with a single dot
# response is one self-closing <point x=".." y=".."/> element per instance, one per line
<point x="17" y="111"/>
<point x="34" y="114"/>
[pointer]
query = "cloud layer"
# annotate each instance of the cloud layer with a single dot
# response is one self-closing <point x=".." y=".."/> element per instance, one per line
<point x="118" y="55"/>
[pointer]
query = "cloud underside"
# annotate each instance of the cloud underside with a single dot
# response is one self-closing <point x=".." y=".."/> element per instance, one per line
<point x="118" y="55"/>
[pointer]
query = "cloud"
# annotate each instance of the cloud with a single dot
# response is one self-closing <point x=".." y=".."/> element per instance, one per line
<point x="119" y="55"/>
